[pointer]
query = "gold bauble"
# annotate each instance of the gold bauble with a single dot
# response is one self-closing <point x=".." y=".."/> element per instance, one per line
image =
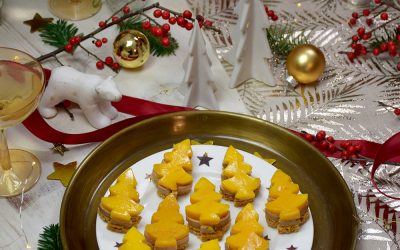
<point x="131" y="49"/>
<point x="305" y="63"/>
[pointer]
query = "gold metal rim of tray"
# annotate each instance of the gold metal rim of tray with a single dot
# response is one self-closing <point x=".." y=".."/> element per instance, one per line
<point x="331" y="202"/>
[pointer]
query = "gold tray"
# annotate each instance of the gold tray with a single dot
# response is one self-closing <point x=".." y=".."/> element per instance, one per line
<point x="331" y="203"/>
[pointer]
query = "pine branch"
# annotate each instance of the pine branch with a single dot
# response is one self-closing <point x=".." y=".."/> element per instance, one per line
<point x="156" y="47"/>
<point x="378" y="40"/>
<point x="282" y="39"/>
<point x="59" y="33"/>
<point x="50" y="239"/>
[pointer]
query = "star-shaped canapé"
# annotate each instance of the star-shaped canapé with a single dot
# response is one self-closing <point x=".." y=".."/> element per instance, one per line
<point x="133" y="239"/>
<point x="204" y="159"/>
<point x="166" y="227"/>
<point x="63" y="172"/>
<point x="38" y="22"/>
<point x="242" y="185"/>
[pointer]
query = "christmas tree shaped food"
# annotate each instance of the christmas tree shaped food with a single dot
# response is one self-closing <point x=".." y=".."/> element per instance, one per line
<point x="121" y="209"/>
<point x="237" y="183"/>
<point x="198" y="75"/>
<point x="173" y="174"/>
<point x="251" y="50"/>
<point x="247" y="233"/>
<point x="210" y="245"/>
<point x="167" y="230"/>
<point x="206" y="216"/>
<point x="133" y="239"/>
<point x="281" y="183"/>
<point x="287" y="212"/>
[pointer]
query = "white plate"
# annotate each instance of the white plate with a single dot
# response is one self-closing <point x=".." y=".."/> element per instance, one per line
<point x="149" y="199"/>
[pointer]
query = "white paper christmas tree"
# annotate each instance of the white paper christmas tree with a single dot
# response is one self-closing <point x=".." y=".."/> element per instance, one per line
<point x="198" y="75"/>
<point x="251" y="50"/>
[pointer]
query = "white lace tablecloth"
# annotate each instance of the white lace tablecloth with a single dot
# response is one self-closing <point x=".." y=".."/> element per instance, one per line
<point x="343" y="103"/>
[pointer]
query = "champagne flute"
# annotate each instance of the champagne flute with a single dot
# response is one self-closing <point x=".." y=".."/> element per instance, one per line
<point x="74" y="9"/>
<point x="21" y="85"/>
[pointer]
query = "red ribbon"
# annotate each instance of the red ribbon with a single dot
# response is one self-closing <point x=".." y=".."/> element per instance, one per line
<point x="143" y="109"/>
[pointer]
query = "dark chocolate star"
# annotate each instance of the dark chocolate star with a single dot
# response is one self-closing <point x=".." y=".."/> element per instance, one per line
<point x="59" y="148"/>
<point x="291" y="248"/>
<point x="117" y="244"/>
<point x="38" y="22"/>
<point x="204" y="159"/>
<point x="266" y="237"/>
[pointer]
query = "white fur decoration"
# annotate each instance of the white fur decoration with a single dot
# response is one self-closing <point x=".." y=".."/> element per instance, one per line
<point x="92" y="93"/>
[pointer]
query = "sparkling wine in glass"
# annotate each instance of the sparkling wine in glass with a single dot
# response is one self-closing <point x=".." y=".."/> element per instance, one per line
<point x="21" y="85"/>
<point x="74" y="9"/>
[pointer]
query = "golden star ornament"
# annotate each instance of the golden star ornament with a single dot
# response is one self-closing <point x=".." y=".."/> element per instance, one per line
<point x="63" y="172"/>
<point x="38" y="22"/>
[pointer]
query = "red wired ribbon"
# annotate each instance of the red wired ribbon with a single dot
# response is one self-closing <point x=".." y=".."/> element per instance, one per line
<point x="142" y="109"/>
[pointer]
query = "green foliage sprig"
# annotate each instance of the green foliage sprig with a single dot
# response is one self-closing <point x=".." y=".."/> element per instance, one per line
<point x="156" y="47"/>
<point x="50" y="239"/>
<point x="389" y="35"/>
<point x="59" y="33"/>
<point x="282" y="39"/>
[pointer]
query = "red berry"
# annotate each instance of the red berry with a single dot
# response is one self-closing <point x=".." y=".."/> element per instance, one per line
<point x="77" y="39"/>
<point x="157" y="31"/>
<point x="352" y="21"/>
<point x="200" y="18"/>
<point x="351" y="150"/>
<point x="102" y="24"/>
<point x="165" y="41"/>
<point x="320" y="135"/>
<point x="398" y="66"/>
<point x="332" y="148"/>
<point x="377" y="1"/>
<point x="391" y="47"/>
<point x="324" y="144"/>
<point x="391" y="43"/>
<point x="109" y="60"/>
<point x="115" y="66"/>
<point x="270" y="13"/>
<point x="354" y="15"/>
<point x="99" y="65"/>
<point x="365" y="37"/>
<point x="354" y="38"/>
<point x="361" y="31"/>
<point x="126" y="9"/>
<point x="398" y="37"/>
<point x="189" y="26"/>
<point x="104" y="40"/>
<point x="384" y="16"/>
<point x="351" y="56"/>
<point x="114" y="19"/>
<point x="146" y="25"/>
<point x="208" y="23"/>
<point x="376" y="51"/>
<point x="266" y="8"/>
<point x="345" y="155"/>
<point x="354" y="45"/>
<point x="315" y="143"/>
<point x="392" y="53"/>
<point x="357" y="147"/>
<point x="369" y="21"/>
<point x="73" y="41"/>
<point x="98" y="43"/>
<point x="187" y="14"/>
<point x="397" y="111"/>
<point x="330" y="139"/>
<point x="166" y="14"/>
<point x="309" y="137"/>
<point x="274" y="18"/>
<point x="383" y="46"/>
<point x="68" y="47"/>
<point x="166" y="27"/>
<point x="353" y="156"/>
<point x="172" y="20"/>
<point x="366" y="12"/>
<point x="180" y="20"/>
<point x="157" y="13"/>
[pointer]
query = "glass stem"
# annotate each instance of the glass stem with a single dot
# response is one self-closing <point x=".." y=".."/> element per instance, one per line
<point x="5" y="162"/>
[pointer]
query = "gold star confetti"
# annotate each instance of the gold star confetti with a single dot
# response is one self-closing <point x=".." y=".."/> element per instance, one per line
<point x="270" y="161"/>
<point x="59" y="148"/>
<point x="63" y="172"/>
<point x="38" y="22"/>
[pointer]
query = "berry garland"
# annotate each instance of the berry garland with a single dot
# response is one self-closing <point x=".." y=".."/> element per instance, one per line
<point x="377" y="40"/>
